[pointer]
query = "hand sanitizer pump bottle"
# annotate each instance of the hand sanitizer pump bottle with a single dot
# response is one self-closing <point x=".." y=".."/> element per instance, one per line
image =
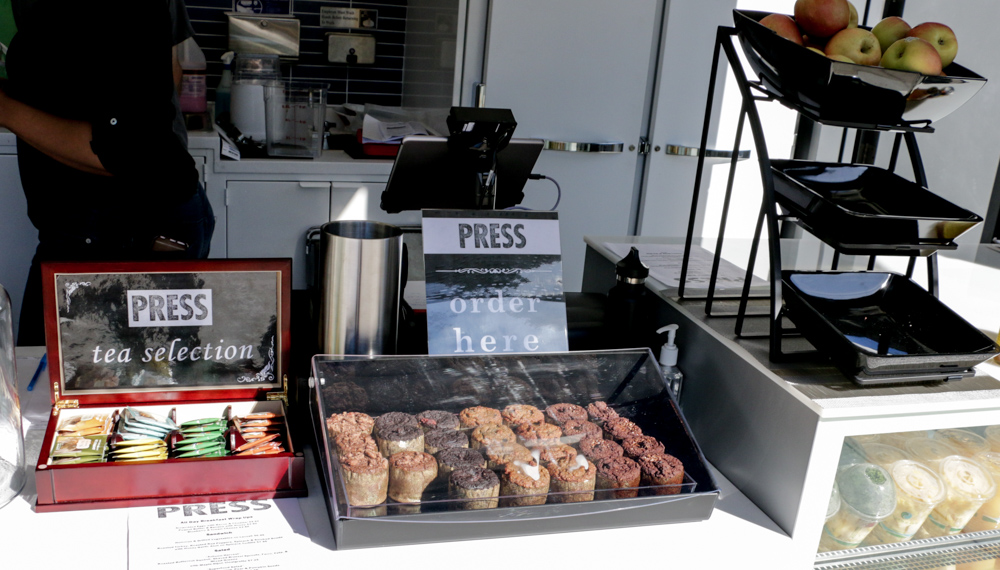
<point x="668" y="361"/>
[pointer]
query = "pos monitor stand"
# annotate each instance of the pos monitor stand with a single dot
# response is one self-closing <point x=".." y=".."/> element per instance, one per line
<point x="429" y="174"/>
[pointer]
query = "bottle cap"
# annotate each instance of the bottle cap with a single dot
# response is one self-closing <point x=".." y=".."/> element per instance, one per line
<point x="630" y="267"/>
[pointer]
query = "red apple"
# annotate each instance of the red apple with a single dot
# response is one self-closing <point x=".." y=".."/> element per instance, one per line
<point x="784" y="26"/>
<point x="890" y="30"/>
<point x="858" y="44"/>
<point x="822" y="18"/>
<point x="852" y="22"/>
<point x="941" y="37"/>
<point x="912" y="54"/>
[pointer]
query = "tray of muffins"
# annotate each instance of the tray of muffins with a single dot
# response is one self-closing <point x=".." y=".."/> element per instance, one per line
<point x="412" y="449"/>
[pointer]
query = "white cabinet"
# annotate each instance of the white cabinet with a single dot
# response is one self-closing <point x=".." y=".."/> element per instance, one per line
<point x="18" y="238"/>
<point x="271" y="218"/>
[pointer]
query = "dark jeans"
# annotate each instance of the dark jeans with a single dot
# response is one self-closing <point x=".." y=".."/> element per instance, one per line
<point x="193" y="225"/>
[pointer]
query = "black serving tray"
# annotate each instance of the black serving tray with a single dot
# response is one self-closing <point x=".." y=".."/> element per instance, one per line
<point x="628" y="380"/>
<point x="882" y="327"/>
<point x="865" y="210"/>
<point x="848" y="94"/>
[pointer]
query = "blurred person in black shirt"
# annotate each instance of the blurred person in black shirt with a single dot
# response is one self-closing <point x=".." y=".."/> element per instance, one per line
<point x="102" y="148"/>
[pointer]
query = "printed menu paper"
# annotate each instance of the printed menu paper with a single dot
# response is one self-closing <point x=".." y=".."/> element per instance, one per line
<point x="494" y="282"/>
<point x="248" y="535"/>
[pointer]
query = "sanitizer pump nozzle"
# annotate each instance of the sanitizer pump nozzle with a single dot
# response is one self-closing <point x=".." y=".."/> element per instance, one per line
<point x="668" y="360"/>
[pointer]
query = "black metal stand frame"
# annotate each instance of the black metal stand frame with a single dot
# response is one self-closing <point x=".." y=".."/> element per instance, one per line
<point x="769" y="214"/>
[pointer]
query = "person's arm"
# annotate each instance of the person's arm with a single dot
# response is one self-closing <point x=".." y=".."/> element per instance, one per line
<point x="65" y="140"/>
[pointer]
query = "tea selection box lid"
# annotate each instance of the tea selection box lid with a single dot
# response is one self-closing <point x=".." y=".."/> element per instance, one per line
<point x="121" y="332"/>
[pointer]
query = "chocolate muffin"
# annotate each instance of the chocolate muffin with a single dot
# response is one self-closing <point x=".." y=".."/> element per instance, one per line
<point x="523" y="483"/>
<point x="619" y="473"/>
<point x="499" y="455"/>
<point x="596" y="449"/>
<point x="560" y="413"/>
<point x="599" y="412"/>
<point x="349" y="421"/>
<point x="517" y="414"/>
<point x="490" y="435"/>
<point x="366" y="477"/>
<point x="399" y="437"/>
<point x="354" y="442"/>
<point x="620" y="429"/>
<point x="477" y="483"/>
<point x="455" y="458"/>
<point x="437" y="439"/>
<point x="576" y="430"/>
<point x="410" y="472"/>
<point x="535" y="435"/>
<point x="479" y="416"/>
<point x="575" y="476"/>
<point x="556" y="453"/>
<point x="390" y="420"/>
<point x="636" y="447"/>
<point x="437" y="419"/>
<point x="662" y="469"/>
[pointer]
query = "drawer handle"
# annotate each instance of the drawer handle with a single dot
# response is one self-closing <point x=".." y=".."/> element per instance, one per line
<point x="605" y="147"/>
<point x="320" y="185"/>
<point x="678" y="150"/>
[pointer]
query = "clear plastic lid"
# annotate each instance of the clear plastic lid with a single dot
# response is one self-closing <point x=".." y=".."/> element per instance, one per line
<point x="917" y="482"/>
<point x="884" y="455"/>
<point x="868" y="489"/>
<point x="991" y="461"/>
<point x="834" y="505"/>
<point x="966" y="442"/>
<point x="930" y="451"/>
<point x="966" y="478"/>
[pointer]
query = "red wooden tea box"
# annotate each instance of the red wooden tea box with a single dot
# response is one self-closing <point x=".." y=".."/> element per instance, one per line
<point x="180" y="348"/>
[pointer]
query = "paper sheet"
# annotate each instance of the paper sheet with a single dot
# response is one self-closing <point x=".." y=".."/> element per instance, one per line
<point x="664" y="261"/>
<point x="243" y="535"/>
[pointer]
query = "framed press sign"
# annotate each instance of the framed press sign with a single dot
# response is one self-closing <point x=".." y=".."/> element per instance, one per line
<point x="146" y="331"/>
<point x="494" y="282"/>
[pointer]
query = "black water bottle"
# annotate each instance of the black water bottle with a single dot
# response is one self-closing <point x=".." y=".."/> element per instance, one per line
<point x="627" y="320"/>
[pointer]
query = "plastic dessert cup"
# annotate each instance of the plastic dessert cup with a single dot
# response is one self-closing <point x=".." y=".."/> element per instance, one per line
<point x="918" y="491"/>
<point x="968" y="486"/>
<point x="834" y="504"/>
<point x="992" y="434"/>
<point x="900" y="439"/>
<point x="966" y="442"/>
<point x="884" y="455"/>
<point x="988" y="515"/>
<point x="867" y="495"/>
<point x="930" y="452"/>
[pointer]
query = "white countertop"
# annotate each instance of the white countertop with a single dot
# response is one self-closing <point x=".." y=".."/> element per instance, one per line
<point x="738" y="534"/>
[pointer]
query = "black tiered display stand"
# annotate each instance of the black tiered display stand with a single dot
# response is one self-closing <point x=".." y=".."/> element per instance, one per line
<point x="828" y="92"/>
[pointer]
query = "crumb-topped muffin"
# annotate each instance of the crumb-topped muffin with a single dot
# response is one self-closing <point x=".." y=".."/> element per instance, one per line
<point x="437" y="419"/>
<point x="560" y="413"/>
<point x="366" y="477"/>
<point x="477" y="483"/>
<point x="619" y="473"/>
<point x="662" y="469"/>
<point x="620" y="429"/>
<point x="410" y="472"/>
<point x="534" y="435"/>
<point x="575" y="476"/>
<point x="392" y="420"/>
<point x="555" y="453"/>
<point x="478" y="416"/>
<point x="455" y="458"/>
<point x="349" y="422"/>
<point x="596" y="449"/>
<point x="576" y="430"/>
<point x="517" y="414"/>
<point x="437" y="439"/>
<point x="399" y="437"/>
<point x="599" y="412"/>
<point x="499" y="455"/>
<point x="636" y="447"/>
<point x="491" y="435"/>
<point x="354" y="442"/>
<point x="523" y="483"/>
